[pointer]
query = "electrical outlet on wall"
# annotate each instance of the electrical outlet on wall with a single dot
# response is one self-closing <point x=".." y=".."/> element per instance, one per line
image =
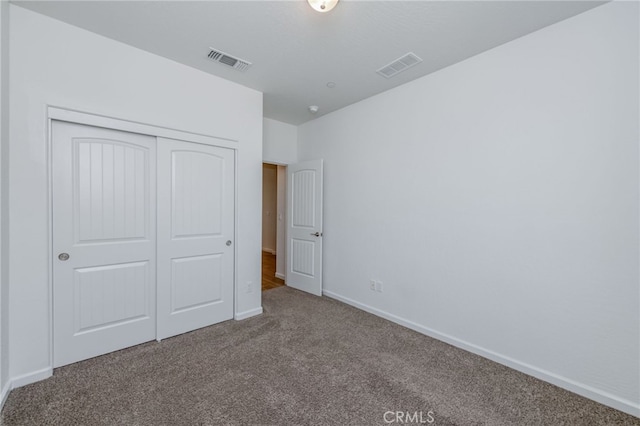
<point x="379" y="286"/>
<point x="372" y="285"/>
<point x="249" y="287"/>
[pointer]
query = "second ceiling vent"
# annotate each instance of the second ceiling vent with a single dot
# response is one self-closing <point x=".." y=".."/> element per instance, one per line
<point x="401" y="64"/>
<point x="226" y="59"/>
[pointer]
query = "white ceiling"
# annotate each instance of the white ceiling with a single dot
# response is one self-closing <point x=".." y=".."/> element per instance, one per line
<point x="296" y="51"/>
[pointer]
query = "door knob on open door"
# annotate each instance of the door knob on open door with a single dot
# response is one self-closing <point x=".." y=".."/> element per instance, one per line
<point x="63" y="256"/>
<point x="317" y="234"/>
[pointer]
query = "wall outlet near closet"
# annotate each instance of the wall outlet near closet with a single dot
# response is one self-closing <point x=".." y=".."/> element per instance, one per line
<point x="375" y="285"/>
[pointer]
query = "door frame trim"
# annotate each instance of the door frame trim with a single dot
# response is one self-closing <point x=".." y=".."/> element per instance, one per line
<point x="55" y="113"/>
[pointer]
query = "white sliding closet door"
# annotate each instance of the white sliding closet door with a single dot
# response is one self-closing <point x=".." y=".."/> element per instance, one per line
<point x="195" y="235"/>
<point x="104" y="228"/>
<point x="129" y="267"/>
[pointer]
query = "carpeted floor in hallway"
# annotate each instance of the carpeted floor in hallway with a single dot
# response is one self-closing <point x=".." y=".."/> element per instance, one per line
<point x="305" y="361"/>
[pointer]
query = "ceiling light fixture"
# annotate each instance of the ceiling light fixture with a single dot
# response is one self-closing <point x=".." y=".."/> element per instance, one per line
<point x="313" y="109"/>
<point x="322" y="5"/>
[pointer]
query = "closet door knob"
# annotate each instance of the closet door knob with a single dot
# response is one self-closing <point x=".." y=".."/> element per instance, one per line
<point x="228" y="242"/>
<point x="63" y="256"/>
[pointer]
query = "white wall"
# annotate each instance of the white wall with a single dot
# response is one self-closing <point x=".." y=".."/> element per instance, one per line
<point x="269" y="207"/>
<point x="280" y="143"/>
<point x="53" y="63"/>
<point x="497" y="200"/>
<point x="4" y="198"/>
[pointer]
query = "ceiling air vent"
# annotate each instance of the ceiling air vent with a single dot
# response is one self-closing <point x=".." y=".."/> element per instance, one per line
<point x="224" y="58"/>
<point x="403" y="63"/>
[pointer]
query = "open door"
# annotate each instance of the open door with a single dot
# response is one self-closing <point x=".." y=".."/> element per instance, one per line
<point x="304" y="226"/>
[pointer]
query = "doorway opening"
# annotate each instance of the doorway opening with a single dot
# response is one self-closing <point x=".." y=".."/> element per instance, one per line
<point x="274" y="196"/>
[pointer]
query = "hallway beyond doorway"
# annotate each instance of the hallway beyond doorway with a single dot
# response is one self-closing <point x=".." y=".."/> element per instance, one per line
<point x="269" y="279"/>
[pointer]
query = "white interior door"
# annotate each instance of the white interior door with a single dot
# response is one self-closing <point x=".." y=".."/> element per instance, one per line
<point x="195" y="236"/>
<point x="304" y="226"/>
<point x="104" y="211"/>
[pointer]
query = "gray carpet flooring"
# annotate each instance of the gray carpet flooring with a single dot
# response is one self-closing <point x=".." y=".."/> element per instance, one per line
<point x="305" y="361"/>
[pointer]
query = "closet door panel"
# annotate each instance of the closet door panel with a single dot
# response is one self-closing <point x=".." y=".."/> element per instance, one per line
<point x="104" y="211"/>
<point x="195" y="235"/>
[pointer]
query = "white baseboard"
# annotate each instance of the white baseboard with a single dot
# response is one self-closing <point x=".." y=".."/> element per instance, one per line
<point x="597" y="395"/>
<point x="281" y="276"/>
<point x="268" y="250"/>
<point x="4" y="393"/>
<point x="247" y="314"/>
<point x="27" y="379"/>
<point x="23" y="380"/>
